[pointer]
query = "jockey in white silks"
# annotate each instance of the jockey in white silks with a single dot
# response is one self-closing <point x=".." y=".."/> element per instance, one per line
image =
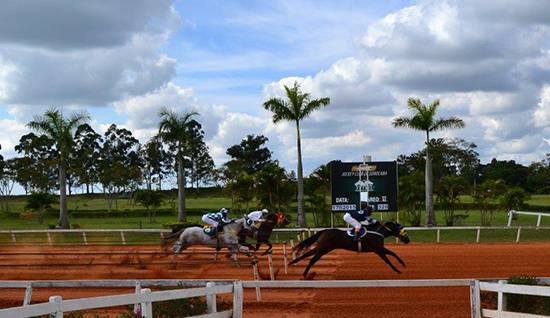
<point x="256" y="216"/>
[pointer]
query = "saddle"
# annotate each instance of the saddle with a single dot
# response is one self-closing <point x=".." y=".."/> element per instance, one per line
<point x="212" y="231"/>
<point x="362" y="233"/>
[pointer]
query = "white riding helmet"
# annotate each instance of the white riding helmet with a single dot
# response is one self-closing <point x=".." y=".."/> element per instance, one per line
<point x="265" y="211"/>
<point x="224" y="211"/>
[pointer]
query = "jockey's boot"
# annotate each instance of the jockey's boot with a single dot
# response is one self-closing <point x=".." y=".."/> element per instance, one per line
<point x="356" y="235"/>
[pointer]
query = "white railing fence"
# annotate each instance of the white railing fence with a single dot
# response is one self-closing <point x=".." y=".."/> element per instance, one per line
<point x="144" y="297"/>
<point x="142" y="300"/>
<point x="122" y="236"/>
<point x="539" y="216"/>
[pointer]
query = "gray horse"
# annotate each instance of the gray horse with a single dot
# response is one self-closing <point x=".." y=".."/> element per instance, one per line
<point x="228" y="239"/>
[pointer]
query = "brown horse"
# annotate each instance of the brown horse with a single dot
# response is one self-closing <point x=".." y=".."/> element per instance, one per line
<point x="264" y="231"/>
<point x="331" y="239"/>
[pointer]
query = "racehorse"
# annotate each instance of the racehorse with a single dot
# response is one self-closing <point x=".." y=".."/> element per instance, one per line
<point x="264" y="231"/>
<point x="373" y="241"/>
<point x="195" y="235"/>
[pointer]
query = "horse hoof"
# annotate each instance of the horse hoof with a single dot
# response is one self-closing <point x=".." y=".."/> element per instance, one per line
<point x="310" y="276"/>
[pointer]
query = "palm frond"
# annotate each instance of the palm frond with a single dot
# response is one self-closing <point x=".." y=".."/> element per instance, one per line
<point x="401" y="122"/>
<point x="280" y="109"/>
<point x="447" y="123"/>
<point x="314" y="105"/>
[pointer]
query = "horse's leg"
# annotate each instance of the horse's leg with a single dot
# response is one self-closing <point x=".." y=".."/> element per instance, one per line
<point x="178" y="246"/>
<point x="301" y="257"/>
<point x="382" y="255"/>
<point x="258" y="244"/>
<point x="388" y="252"/>
<point x="269" y="248"/>
<point x="318" y="255"/>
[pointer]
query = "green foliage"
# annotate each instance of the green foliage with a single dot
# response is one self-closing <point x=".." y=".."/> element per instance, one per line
<point x="411" y="197"/>
<point x="486" y="193"/>
<point x="514" y="198"/>
<point x="149" y="199"/>
<point x="251" y="155"/>
<point x="527" y="303"/>
<point x="274" y="190"/>
<point x="448" y="191"/>
<point x="39" y="203"/>
<point x="317" y="189"/>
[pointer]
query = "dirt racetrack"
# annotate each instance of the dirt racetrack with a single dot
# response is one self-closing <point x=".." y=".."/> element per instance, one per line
<point x="423" y="261"/>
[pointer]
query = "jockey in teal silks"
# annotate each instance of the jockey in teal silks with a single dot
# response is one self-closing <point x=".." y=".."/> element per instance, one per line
<point x="358" y="218"/>
<point x="217" y="219"/>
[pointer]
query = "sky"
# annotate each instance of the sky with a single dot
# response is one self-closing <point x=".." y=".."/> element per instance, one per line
<point x="122" y="61"/>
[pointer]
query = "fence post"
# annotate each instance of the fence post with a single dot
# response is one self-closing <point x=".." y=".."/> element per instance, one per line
<point x="146" y="306"/>
<point x="270" y="264"/>
<point x="510" y="216"/>
<point x="13" y="238"/>
<point x="475" y="299"/>
<point x="438" y="235"/>
<point x="257" y="278"/>
<point x="57" y="300"/>
<point x="137" y="307"/>
<point x="501" y="301"/>
<point x="539" y="218"/>
<point x="478" y="234"/>
<point x="122" y="237"/>
<point x="211" y="306"/>
<point x="49" y="234"/>
<point x="84" y="238"/>
<point x="519" y="233"/>
<point x="285" y="258"/>
<point x="293" y="251"/>
<point x="237" y="299"/>
<point x="28" y="294"/>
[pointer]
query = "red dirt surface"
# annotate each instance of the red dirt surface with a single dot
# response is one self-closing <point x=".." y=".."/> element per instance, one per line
<point x="424" y="261"/>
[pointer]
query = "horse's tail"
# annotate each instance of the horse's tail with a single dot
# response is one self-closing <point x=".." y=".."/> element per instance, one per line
<point x="308" y="242"/>
<point x="169" y="238"/>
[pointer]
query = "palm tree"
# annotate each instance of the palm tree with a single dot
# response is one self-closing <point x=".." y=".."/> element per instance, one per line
<point x="60" y="129"/>
<point x="176" y="129"/>
<point x="297" y="107"/>
<point x="423" y="118"/>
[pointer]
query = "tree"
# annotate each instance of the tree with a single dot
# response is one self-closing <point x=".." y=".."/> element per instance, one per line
<point x="119" y="164"/>
<point x="538" y="180"/>
<point x="411" y="196"/>
<point x="39" y="203"/>
<point x="485" y="197"/>
<point x="251" y="155"/>
<point x="156" y="161"/>
<point x="423" y="118"/>
<point x="296" y="108"/>
<point x="55" y="126"/>
<point x="149" y="199"/>
<point x="86" y="155"/>
<point x="7" y="180"/>
<point x="448" y="190"/>
<point x="200" y="163"/>
<point x="36" y="171"/>
<point x="176" y="130"/>
<point x="514" y="198"/>
<point x="514" y="174"/>
<point x="317" y="188"/>
<point x="271" y="186"/>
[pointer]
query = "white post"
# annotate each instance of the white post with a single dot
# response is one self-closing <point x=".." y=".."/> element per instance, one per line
<point x="510" y="216"/>
<point x="538" y="220"/>
<point x="475" y="299"/>
<point x="84" y="238"/>
<point x="146" y="306"/>
<point x="28" y="294"/>
<point x="270" y="264"/>
<point x="57" y="300"/>
<point x="13" y="238"/>
<point x="478" y="234"/>
<point x="237" y="299"/>
<point x="211" y="306"/>
<point x="285" y="258"/>
<point x="438" y="235"/>
<point x="256" y="278"/>
<point x="519" y="233"/>
<point x="137" y="307"/>
<point x="501" y="301"/>
<point x="293" y="251"/>
<point x="49" y="238"/>
<point x="122" y="237"/>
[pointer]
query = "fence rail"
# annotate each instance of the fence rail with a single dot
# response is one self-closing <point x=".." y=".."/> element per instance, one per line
<point x="539" y="216"/>
<point x="145" y="297"/>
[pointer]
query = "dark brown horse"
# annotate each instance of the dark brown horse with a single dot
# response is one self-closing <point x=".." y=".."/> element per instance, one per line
<point x="331" y="239"/>
<point x="264" y="231"/>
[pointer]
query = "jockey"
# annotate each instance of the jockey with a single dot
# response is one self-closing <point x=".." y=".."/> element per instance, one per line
<point x="257" y="216"/>
<point x="356" y="218"/>
<point x="217" y="219"/>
